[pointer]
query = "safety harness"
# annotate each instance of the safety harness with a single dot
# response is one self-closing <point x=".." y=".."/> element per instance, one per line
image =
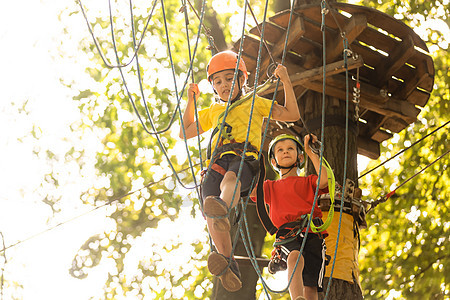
<point x="289" y="231"/>
<point x="233" y="146"/>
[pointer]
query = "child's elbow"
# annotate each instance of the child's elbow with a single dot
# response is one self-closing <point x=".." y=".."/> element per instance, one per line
<point x="293" y="117"/>
<point x="323" y="185"/>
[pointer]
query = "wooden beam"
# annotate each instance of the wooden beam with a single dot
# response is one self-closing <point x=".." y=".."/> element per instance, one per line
<point x="368" y="147"/>
<point x="370" y="99"/>
<point x="317" y="73"/>
<point x="296" y="31"/>
<point x="410" y="85"/>
<point x="352" y="29"/>
<point x="262" y="262"/>
<point x="395" y="61"/>
<point x="373" y="99"/>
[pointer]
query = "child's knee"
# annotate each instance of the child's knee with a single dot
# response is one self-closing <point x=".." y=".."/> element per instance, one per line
<point x="293" y="257"/>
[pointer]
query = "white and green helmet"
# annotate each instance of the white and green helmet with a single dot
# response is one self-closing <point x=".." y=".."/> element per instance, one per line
<point x="283" y="137"/>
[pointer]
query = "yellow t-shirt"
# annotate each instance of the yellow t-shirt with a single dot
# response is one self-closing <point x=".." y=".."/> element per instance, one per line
<point x="238" y="119"/>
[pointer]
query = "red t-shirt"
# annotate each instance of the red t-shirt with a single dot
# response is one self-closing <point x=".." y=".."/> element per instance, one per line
<point x="291" y="197"/>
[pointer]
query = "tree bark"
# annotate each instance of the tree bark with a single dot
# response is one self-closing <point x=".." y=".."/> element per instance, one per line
<point x="334" y="150"/>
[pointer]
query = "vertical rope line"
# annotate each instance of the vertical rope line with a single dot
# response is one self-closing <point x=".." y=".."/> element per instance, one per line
<point x="186" y="17"/>
<point x="316" y="193"/>
<point x="176" y="92"/>
<point x="262" y="142"/>
<point x="3" y="265"/>
<point x="345" y="46"/>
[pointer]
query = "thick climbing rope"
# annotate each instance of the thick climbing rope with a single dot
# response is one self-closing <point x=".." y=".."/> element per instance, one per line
<point x="263" y="40"/>
<point x="97" y="44"/>
<point x="346" y="51"/>
<point x="143" y="96"/>
<point x="186" y="18"/>
<point x="252" y="257"/>
<point x="206" y="31"/>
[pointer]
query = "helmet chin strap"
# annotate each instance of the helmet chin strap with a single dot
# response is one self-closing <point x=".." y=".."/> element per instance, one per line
<point x="286" y="168"/>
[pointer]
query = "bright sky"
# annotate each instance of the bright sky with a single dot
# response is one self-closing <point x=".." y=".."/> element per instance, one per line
<point x="40" y="266"/>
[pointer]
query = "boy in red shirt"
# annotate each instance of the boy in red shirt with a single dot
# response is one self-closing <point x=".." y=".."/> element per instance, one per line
<point x="290" y="199"/>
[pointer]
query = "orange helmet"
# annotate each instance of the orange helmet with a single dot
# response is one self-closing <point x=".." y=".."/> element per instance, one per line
<point x="225" y="60"/>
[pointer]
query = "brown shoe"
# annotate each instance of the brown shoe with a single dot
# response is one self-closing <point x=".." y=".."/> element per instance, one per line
<point x="217" y="209"/>
<point x="228" y="273"/>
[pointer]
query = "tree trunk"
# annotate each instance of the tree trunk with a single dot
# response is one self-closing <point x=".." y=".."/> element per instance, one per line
<point x="347" y="286"/>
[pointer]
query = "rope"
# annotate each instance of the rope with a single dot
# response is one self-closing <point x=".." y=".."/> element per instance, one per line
<point x="207" y="31"/>
<point x="107" y="64"/>
<point x="193" y="80"/>
<point x="264" y="41"/>
<point x="85" y="213"/>
<point x="383" y="199"/>
<point x="400" y="152"/>
<point x="3" y="265"/>
<point x="143" y="96"/>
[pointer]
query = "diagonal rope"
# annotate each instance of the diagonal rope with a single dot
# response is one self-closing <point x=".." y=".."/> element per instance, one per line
<point x="145" y="102"/>
<point x="403" y="150"/>
<point x="97" y="44"/>
<point x="107" y="203"/>
<point x="383" y="199"/>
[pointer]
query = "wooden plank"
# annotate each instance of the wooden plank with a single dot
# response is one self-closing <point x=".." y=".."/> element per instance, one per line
<point x="352" y="30"/>
<point x="418" y="97"/>
<point x="371" y="58"/>
<point x="317" y="73"/>
<point x="397" y="59"/>
<point x="395" y="124"/>
<point x="377" y="39"/>
<point x="381" y="135"/>
<point x="374" y="122"/>
<point x="244" y="260"/>
<point x="410" y="87"/>
<point x="368" y="147"/>
<point x="296" y="31"/>
<point x="370" y="99"/>
<point x="272" y="32"/>
<point x="382" y="21"/>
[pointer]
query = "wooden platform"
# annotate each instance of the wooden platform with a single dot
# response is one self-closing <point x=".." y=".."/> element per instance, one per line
<point x="396" y="73"/>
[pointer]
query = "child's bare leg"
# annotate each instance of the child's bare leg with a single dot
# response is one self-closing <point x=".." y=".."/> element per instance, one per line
<point x="222" y="239"/>
<point x="311" y="293"/>
<point x="227" y="187"/>
<point x="296" y="286"/>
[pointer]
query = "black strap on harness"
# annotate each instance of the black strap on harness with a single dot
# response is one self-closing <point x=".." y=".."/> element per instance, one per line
<point x="260" y="205"/>
<point x="227" y="128"/>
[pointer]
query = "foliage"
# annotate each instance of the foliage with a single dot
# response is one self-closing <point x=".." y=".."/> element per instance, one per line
<point x="131" y="158"/>
<point x="404" y="251"/>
